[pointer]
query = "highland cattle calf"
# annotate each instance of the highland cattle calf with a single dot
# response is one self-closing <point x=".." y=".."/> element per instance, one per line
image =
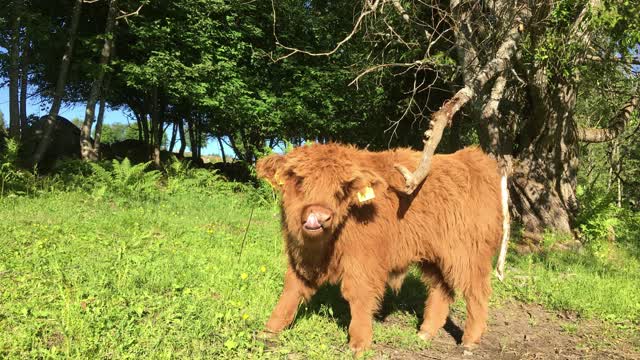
<point x="345" y="221"/>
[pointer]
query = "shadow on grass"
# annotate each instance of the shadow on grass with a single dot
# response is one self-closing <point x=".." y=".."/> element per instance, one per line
<point x="328" y="301"/>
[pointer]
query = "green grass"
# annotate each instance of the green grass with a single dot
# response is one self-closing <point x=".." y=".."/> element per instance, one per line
<point x="86" y="277"/>
<point x="603" y="285"/>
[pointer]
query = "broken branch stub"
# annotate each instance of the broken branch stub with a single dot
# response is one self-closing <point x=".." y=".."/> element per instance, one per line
<point x="596" y="135"/>
<point x="444" y="116"/>
<point x="439" y="120"/>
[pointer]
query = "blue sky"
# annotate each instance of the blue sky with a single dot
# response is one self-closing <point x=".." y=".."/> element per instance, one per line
<point x="70" y="111"/>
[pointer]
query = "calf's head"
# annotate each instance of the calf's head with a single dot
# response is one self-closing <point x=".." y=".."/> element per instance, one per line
<point x="319" y="186"/>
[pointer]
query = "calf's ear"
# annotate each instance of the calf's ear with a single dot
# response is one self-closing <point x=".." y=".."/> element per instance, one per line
<point x="365" y="186"/>
<point x="268" y="168"/>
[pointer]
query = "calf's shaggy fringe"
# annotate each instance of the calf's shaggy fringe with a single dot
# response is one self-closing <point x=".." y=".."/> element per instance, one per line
<point x="450" y="226"/>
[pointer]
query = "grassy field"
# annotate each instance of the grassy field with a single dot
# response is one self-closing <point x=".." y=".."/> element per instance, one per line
<point x="180" y="276"/>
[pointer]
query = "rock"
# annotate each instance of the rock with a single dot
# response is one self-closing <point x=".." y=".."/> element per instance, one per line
<point x="65" y="142"/>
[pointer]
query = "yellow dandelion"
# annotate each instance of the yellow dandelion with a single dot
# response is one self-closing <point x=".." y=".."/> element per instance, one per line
<point x="244" y="276"/>
<point x="263" y="269"/>
<point x="245" y="316"/>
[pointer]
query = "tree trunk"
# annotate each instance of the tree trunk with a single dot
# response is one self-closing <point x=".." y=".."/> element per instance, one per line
<point x="236" y="149"/>
<point x="14" y="71"/>
<point x="183" y="138"/>
<point x="224" y="160"/>
<point x="174" y="135"/>
<point x="60" y="85"/>
<point x="546" y="166"/>
<point x="160" y="129"/>
<point x="195" y="141"/>
<point x="86" y="148"/>
<point x="198" y="133"/>
<point x="138" y="125"/>
<point x="100" y="121"/>
<point x="156" y="126"/>
<point x="192" y="138"/>
<point x="24" y="82"/>
<point x="144" y="121"/>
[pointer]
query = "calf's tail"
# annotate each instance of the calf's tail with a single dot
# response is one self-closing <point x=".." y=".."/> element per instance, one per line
<point x="506" y="226"/>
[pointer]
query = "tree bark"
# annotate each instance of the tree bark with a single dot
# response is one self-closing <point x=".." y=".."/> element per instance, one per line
<point x="14" y="71"/>
<point x="100" y="121"/>
<point x="138" y="123"/>
<point x="224" y="160"/>
<point x="24" y="82"/>
<point x="156" y="126"/>
<point x="183" y="138"/>
<point x="86" y="147"/>
<point x="174" y="134"/>
<point x="237" y="150"/>
<point x="144" y="125"/>
<point x="192" y="138"/>
<point x="593" y="135"/>
<point x="60" y="85"/>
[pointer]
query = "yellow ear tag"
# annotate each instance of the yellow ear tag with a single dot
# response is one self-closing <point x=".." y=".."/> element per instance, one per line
<point x="277" y="179"/>
<point x="368" y="194"/>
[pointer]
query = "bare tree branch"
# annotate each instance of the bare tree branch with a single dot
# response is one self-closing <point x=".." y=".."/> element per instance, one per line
<point x="620" y="60"/>
<point x="370" y="7"/>
<point x="490" y="109"/>
<point x="381" y="66"/>
<point x="595" y="135"/>
<point x="125" y="15"/>
<point x="444" y="116"/>
<point x="400" y="10"/>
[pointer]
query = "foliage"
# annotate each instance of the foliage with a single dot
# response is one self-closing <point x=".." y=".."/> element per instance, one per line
<point x="599" y="216"/>
<point x="181" y="177"/>
<point x="125" y="181"/>
<point x="14" y="181"/>
<point x="113" y="132"/>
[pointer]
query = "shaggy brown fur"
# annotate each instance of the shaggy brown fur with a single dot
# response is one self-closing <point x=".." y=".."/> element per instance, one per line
<point x="451" y="226"/>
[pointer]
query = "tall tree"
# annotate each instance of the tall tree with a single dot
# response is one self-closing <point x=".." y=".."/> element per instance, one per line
<point x="14" y="70"/>
<point x="24" y="80"/>
<point x="520" y="70"/>
<point x="60" y="84"/>
<point x="101" y="110"/>
<point x="86" y="147"/>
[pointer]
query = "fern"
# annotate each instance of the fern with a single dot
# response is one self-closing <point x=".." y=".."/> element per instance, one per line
<point x="125" y="181"/>
<point x="14" y="181"/>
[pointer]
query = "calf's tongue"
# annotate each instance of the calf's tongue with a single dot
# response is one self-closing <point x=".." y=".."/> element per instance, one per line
<point x="312" y="222"/>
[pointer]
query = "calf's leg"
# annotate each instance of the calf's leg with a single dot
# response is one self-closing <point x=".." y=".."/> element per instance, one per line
<point x="477" y="298"/>
<point x="364" y="297"/>
<point x="439" y="299"/>
<point x="294" y="291"/>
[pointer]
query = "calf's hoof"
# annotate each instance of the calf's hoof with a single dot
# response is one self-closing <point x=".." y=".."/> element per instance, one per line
<point x="426" y="335"/>
<point x="469" y="344"/>
<point x="267" y="335"/>
<point x="358" y="347"/>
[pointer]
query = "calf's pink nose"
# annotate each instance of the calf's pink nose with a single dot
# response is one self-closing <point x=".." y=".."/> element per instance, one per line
<point x="312" y="221"/>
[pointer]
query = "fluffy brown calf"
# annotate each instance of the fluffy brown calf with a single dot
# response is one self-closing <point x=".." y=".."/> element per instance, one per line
<point x="344" y="220"/>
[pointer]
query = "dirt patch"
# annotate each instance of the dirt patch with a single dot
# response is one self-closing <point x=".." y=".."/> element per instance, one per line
<point x="55" y="339"/>
<point x="524" y="331"/>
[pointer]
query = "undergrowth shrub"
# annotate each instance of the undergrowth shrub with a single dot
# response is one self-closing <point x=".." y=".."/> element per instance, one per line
<point x="121" y="179"/>
<point x="182" y="177"/>
<point x="602" y="223"/>
<point x="14" y="181"/>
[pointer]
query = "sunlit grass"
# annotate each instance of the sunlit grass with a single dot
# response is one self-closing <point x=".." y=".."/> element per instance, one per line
<point x="171" y="278"/>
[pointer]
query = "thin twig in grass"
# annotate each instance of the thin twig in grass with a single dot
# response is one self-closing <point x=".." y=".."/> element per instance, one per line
<point x="246" y="230"/>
